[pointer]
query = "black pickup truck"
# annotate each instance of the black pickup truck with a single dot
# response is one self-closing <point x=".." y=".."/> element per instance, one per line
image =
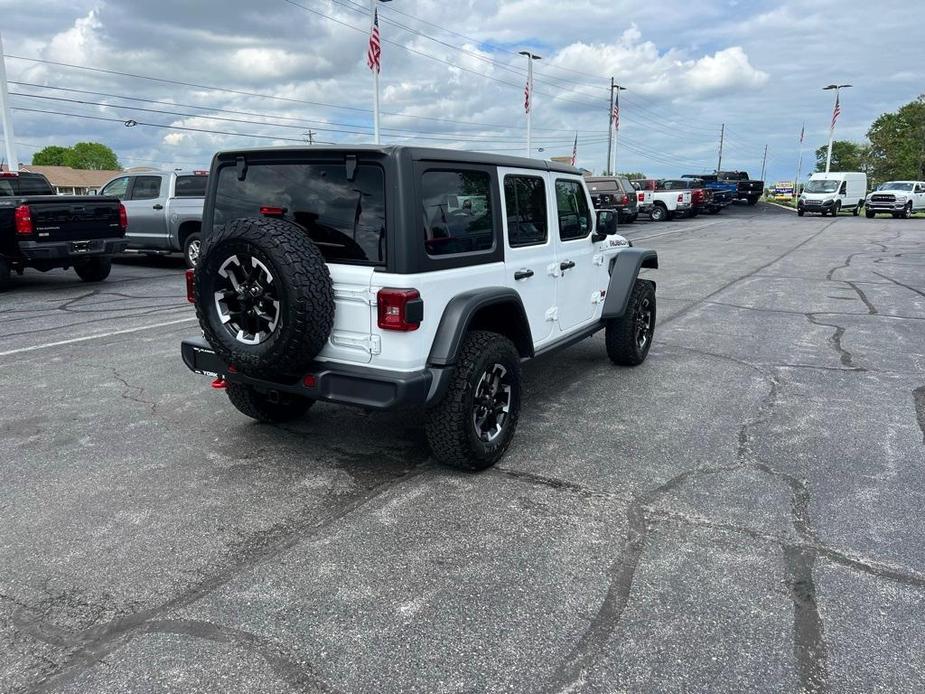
<point x="41" y="230"/>
<point x="746" y="188"/>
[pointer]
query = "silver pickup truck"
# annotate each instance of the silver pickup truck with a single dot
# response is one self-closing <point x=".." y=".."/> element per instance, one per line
<point x="164" y="210"/>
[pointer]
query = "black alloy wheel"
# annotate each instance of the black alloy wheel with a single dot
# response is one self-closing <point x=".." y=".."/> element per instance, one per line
<point x="247" y="299"/>
<point x="492" y="402"/>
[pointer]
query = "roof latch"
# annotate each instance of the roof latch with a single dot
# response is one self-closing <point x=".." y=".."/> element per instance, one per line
<point x="240" y="165"/>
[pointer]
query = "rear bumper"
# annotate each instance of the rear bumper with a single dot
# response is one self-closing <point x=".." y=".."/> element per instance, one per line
<point x="36" y="251"/>
<point x="344" y="384"/>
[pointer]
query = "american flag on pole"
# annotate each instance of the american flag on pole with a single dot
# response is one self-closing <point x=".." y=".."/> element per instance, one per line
<point x="374" y="51"/>
<point x="575" y="150"/>
<point x="837" y="112"/>
<point x="615" y="116"/>
<point x="527" y="97"/>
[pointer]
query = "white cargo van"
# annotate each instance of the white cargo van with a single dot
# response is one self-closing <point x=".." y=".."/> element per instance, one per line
<point x="829" y="193"/>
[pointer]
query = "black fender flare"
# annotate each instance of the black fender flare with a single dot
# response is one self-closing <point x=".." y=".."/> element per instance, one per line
<point x="623" y="276"/>
<point x="460" y="312"/>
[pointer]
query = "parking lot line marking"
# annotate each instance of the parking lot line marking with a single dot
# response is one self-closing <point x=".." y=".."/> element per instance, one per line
<point x="72" y="340"/>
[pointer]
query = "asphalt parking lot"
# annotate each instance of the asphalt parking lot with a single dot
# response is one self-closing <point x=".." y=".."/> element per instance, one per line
<point x="743" y="512"/>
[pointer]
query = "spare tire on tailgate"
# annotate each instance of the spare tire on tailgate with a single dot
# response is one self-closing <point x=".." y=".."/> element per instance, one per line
<point x="264" y="297"/>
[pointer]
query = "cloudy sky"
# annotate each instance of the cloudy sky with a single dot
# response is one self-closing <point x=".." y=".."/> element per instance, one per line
<point x="203" y="75"/>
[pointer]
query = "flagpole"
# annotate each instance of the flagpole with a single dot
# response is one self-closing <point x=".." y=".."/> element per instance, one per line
<point x="528" y="97"/>
<point x="836" y="111"/>
<point x="796" y="182"/>
<point x="610" y="129"/>
<point x="372" y="6"/>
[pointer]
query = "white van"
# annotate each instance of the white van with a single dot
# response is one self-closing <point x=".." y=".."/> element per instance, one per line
<point x="829" y="193"/>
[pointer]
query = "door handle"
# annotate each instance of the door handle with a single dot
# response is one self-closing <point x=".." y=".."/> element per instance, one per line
<point x="566" y="265"/>
<point x="158" y="206"/>
<point x="523" y="274"/>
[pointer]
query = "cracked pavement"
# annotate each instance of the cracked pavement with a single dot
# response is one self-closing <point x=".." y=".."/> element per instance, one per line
<point x="743" y="512"/>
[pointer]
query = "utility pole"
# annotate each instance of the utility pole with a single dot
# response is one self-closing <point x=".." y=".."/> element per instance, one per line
<point x="528" y="96"/>
<point x="11" y="156"/>
<point x="311" y="136"/>
<point x="836" y="111"/>
<point x="764" y="161"/>
<point x="796" y="181"/>
<point x="722" y="135"/>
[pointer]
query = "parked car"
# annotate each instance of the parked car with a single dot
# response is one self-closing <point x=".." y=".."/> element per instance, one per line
<point x="747" y="189"/>
<point x="41" y="230"/>
<point x="724" y="192"/>
<point x="614" y="193"/>
<point x="643" y="198"/>
<point x="701" y="197"/>
<point x="164" y="210"/>
<point x="830" y="193"/>
<point x="385" y="277"/>
<point x="899" y="198"/>
<point x="666" y="203"/>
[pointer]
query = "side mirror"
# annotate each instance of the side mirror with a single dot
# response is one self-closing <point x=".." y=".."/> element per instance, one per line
<point x="606" y="225"/>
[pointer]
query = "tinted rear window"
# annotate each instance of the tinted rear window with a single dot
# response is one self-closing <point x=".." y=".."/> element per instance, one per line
<point x="346" y="219"/>
<point x="606" y="184"/>
<point x="24" y="185"/>
<point x="191" y="186"/>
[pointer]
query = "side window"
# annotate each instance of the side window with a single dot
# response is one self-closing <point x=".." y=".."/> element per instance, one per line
<point x="117" y="188"/>
<point x="574" y="214"/>
<point x="190" y="186"/>
<point x="457" y="211"/>
<point x="146" y="188"/>
<point x="844" y="188"/>
<point x="525" y="209"/>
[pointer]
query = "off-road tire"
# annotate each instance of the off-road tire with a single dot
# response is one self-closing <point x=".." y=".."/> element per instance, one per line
<point x="658" y="213"/>
<point x="93" y="269"/>
<point x="192" y="249"/>
<point x="302" y="284"/>
<point x="256" y="405"/>
<point x="449" y="425"/>
<point x="4" y="274"/>
<point x="621" y="334"/>
<point x="870" y="214"/>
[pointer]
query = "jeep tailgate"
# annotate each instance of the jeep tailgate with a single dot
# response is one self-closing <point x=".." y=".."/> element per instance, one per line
<point x="352" y="340"/>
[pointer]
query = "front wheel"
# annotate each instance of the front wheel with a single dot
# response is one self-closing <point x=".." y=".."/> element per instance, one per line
<point x="856" y="211"/>
<point x="837" y="209"/>
<point x="192" y="248"/>
<point x="266" y="407"/>
<point x="800" y="213"/>
<point x="629" y="337"/>
<point x="907" y="211"/>
<point x="870" y="214"/>
<point x="472" y="426"/>
<point x="93" y="269"/>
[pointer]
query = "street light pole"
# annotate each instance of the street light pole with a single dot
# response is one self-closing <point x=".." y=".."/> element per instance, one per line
<point x="836" y="109"/>
<point x="528" y="96"/>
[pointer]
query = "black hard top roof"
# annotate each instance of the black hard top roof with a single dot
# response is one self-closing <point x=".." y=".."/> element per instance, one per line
<point x="427" y="153"/>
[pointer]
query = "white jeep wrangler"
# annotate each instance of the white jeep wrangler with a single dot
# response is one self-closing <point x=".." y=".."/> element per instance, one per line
<point x="385" y="277"/>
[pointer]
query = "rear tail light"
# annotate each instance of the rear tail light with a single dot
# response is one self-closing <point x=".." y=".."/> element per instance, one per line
<point x="641" y="197"/>
<point x="680" y="197"/>
<point x="23" y="217"/>
<point x="267" y="211"/>
<point x="400" y="309"/>
<point x="123" y="217"/>
<point x="191" y="286"/>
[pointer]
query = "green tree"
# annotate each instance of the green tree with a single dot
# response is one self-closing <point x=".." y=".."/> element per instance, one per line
<point x="633" y="176"/>
<point x="53" y="155"/>
<point x="846" y="156"/>
<point x="897" y="143"/>
<point x="91" y="155"/>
